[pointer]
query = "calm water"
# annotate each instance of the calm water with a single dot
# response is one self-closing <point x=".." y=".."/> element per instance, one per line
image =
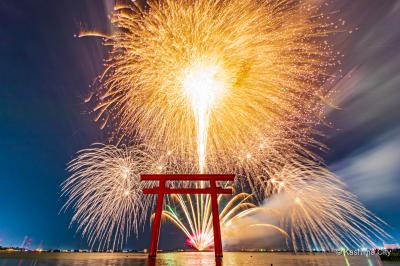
<point x="184" y="259"/>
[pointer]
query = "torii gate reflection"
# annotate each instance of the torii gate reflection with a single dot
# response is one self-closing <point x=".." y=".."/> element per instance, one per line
<point x="162" y="189"/>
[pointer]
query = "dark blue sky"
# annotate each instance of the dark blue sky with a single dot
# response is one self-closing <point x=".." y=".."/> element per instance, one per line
<point x="45" y="74"/>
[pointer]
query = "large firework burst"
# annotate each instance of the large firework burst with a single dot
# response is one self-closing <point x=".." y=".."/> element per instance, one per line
<point x="214" y="86"/>
<point x="105" y="192"/>
<point x="217" y="79"/>
<point x="319" y="213"/>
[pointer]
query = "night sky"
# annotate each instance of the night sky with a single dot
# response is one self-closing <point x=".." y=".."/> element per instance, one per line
<point x="45" y="74"/>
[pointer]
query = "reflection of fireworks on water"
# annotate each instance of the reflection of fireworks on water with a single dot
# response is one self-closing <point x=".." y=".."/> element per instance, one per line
<point x="105" y="192"/>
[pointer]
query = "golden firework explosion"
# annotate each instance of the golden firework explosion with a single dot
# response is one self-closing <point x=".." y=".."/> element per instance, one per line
<point x="236" y="83"/>
<point x="215" y="86"/>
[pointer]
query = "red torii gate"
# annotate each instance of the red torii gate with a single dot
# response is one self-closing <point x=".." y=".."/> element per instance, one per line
<point x="162" y="189"/>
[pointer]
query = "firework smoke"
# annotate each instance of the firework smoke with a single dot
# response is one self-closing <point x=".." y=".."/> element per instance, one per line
<point x="311" y="204"/>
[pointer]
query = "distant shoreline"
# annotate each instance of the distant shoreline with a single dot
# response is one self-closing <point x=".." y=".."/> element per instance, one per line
<point x="180" y="258"/>
<point x="85" y="254"/>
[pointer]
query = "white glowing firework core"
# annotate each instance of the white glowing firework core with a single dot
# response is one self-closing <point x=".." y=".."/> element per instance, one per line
<point x="203" y="86"/>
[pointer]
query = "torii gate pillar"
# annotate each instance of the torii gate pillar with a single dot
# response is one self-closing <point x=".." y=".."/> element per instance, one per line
<point x="161" y="190"/>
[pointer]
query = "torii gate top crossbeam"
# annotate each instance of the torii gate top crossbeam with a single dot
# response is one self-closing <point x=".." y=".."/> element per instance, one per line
<point x="188" y="177"/>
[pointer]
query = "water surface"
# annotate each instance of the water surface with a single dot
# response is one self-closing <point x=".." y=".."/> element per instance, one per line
<point x="186" y="259"/>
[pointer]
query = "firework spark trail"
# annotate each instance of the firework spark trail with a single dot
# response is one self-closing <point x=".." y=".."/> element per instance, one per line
<point x="212" y="79"/>
<point x="240" y="92"/>
<point x="201" y="236"/>
<point x="105" y="192"/>
<point x="106" y="195"/>
<point x="234" y="86"/>
<point x="319" y="213"/>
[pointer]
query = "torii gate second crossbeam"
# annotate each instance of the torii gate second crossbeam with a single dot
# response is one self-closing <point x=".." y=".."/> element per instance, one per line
<point x="162" y="189"/>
